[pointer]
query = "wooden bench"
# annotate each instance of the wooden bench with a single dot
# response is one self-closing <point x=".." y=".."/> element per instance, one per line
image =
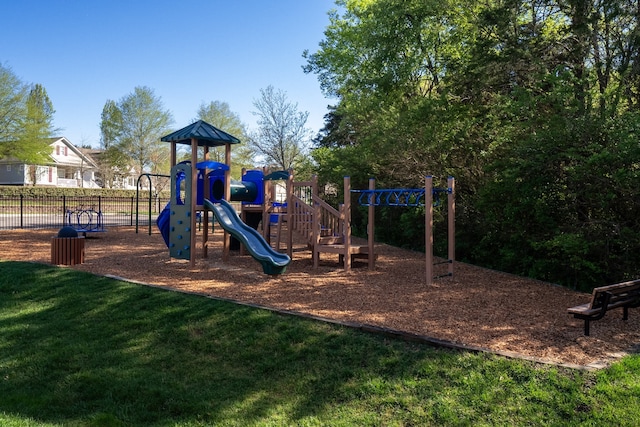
<point x="605" y="298"/>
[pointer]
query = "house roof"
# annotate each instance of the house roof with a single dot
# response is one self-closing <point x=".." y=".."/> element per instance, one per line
<point x="89" y="161"/>
<point x="94" y="154"/>
<point x="206" y="135"/>
<point x="56" y="160"/>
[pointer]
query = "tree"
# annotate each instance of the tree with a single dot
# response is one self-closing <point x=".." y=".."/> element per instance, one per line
<point x="26" y="120"/>
<point x="219" y="114"/>
<point x="113" y="163"/>
<point x="282" y="138"/>
<point x="34" y="145"/>
<point x="534" y="106"/>
<point x="132" y="128"/>
<point x="12" y="109"/>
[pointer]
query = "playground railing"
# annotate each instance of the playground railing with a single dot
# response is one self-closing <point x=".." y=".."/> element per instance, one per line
<point x="301" y="216"/>
<point x="330" y="220"/>
<point x="304" y="190"/>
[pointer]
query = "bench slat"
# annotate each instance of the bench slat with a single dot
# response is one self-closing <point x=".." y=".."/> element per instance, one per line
<point x="618" y="288"/>
<point x="580" y="309"/>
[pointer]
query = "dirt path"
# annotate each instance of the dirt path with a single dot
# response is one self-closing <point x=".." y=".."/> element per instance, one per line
<point x="476" y="307"/>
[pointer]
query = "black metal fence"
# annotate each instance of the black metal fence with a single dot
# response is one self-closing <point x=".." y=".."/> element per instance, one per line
<point x="82" y="212"/>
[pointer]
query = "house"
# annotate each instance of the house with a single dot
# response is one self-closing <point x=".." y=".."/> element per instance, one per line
<point x="69" y="167"/>
<point x="109" y="176"/>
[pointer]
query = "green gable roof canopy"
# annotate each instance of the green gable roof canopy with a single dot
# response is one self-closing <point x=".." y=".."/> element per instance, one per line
<point x="206" y="134"/>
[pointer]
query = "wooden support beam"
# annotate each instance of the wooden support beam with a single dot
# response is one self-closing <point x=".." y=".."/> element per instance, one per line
<point x="371" y="227"/>
<point x="289" y="214"/>
<point x="205" y="214"/>
<point x="194" y="197"/>
<point x="428" y="227"/>
<point x="227" y="196"/>
<point x="345" y="216"/>
<point x="451" y="217"/>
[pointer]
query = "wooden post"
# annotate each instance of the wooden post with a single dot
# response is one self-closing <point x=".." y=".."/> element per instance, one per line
<point x="204" y="213"/>
<point x="315" y="235"/>
<point x="194" y="197"/>
<point x="266" y="201"/>
<point x="173" y="153"/>
<point x="243" y="212"/>
<point x="288" y="214"/>
<point x="428" y="227"/>
<point x="315" y="221"/>
<point x="451" y="216"/>
<point x="227" y="197"/>
<point x="346" y="217"/>
<point x="371" y="224"/>
<point x="314" y="187"/>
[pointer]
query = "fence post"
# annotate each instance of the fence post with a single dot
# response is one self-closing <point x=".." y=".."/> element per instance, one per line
<point x="21" y="211"/>
<point x="64" y="210"/>
<point x="131" y="210"/>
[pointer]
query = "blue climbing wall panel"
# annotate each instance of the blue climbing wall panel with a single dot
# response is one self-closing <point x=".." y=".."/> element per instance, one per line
<point x="180" y="212"/>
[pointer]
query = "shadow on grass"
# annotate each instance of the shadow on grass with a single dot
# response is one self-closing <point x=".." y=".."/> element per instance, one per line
<point x="81" y="349"/>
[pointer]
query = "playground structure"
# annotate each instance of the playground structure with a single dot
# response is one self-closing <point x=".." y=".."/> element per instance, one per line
<point x="206" y="185"/>
<point x="328" y="230"/>
<point x="189" y="192"/>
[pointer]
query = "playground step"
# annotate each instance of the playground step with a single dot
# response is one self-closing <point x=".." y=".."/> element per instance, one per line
<point x="327" y="240"/>
<point x="331" y="240"/>
<point x="339" y="248"/>
<point x="326" y="232"/>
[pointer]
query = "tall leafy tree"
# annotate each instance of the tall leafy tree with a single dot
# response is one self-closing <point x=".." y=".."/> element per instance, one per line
<point x="37" y="128"/>
<point x="532" y="105"/>
<point x="113" y="162"/>
<point x="134" y="125"/>
<point x="551" y="177"/>
<point x="219" y="114"/>
<point x="282" y="137"/>
<point x="12" y="109"/>
<point x="26" y="120"/>
<point x="386" y="61"/>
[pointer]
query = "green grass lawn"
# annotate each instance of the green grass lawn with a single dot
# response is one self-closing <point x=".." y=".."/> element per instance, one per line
<point x="76" y="349"/>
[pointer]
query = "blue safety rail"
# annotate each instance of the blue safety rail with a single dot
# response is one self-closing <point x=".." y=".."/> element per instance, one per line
<point x="398" y="196"/>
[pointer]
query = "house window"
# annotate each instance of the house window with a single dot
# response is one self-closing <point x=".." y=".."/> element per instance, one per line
<point x="57" y="150"/>
<point x="65" y="150"/>
<point x="8" y="168"/>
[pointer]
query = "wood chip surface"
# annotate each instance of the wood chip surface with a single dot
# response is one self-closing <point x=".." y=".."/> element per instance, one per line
<point x="476" y="307"/>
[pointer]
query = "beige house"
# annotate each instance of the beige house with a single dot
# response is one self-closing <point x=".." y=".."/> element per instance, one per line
<point x="69" y="167"/>
<point x="108" y="176"/>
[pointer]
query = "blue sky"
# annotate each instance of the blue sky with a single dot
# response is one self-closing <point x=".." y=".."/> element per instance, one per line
<point x="85" y="52"/>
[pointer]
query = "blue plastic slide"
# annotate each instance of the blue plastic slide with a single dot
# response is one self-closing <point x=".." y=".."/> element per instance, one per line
<point x="163" y="223"/>
<point x="272" y="262"/>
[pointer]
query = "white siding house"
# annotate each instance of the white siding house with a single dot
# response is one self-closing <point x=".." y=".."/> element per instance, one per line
<point x="69" y="167"/>
<point x="108" y="176"/>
